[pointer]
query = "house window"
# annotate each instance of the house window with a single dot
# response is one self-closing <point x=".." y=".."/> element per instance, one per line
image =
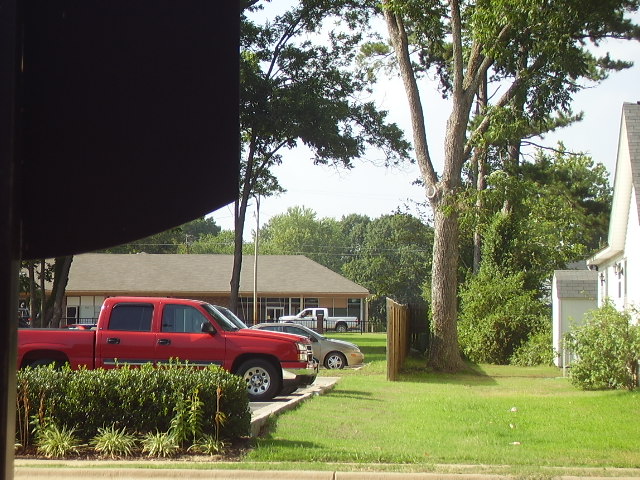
<point x="311" y="303"/>
<point x="353" y="307"/>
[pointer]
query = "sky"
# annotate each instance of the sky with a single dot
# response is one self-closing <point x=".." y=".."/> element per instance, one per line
<point x="372" y="189"/>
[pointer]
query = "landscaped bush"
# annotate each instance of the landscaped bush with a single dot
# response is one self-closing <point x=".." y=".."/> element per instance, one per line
<point x="537" y="350"/>
<point x="607" y="350"/>
<point x="140" y="400"/>
<point x="498" y="316"/>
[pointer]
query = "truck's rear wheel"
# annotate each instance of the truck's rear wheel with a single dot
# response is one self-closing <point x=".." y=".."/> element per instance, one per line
<point x="263" y="382"/>
<point x="341" y="327"/>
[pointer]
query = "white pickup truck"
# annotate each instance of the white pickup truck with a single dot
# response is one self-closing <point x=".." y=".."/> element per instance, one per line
<point x="309" y="318"/>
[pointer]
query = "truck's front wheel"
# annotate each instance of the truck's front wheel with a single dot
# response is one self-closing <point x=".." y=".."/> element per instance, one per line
<point x="263" y="382"/>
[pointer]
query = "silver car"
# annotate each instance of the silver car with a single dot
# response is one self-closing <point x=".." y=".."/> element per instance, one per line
<point x="333" y="354"/>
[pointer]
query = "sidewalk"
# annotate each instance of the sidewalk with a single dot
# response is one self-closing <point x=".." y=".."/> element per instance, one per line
<point x="261" y="414"/>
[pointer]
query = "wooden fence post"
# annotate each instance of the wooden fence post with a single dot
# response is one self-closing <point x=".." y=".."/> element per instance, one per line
<point x="397" y="337"/>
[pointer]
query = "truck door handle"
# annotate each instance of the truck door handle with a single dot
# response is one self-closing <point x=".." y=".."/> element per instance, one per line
<point x="164" y="341"/>
<point x="113" y="341"/>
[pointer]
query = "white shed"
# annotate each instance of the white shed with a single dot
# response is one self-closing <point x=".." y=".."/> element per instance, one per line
<point x="574" y="293"/>
<point x="618" y="265"/>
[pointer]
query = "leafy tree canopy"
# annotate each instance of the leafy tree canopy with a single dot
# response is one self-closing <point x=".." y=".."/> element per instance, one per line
<point x="170" y="241"/>
<point x="559" y="209"/>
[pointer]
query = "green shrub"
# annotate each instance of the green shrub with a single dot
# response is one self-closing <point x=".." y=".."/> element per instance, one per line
<point x="141" y="400"/>
<point x="497" y="316"/>
<point x="607" y="350"/>
<point x="537" y="350"/>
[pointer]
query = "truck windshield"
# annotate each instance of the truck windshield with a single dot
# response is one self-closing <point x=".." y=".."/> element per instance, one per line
<point x="226" y="324"/>
<point x="232" y="317"/>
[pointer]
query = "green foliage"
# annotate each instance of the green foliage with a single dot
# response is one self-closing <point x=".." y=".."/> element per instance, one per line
<point x="56" y="442"/>
<point x="160" y="445"/>
<point x="393" y="259"/>
<point x="138" y="399"/>
<point x="174" y="240"/>
<point x="607" y="350"/>
<point x="209" y="445"/>
<point x="537" y="350"/>
<point x="542" y="216"/>
<point x="299" y="232"/>
<point x="497" y="316"/>
<point x="187" y="423"/>
<point x="114" y="443"/>
<point x="222" y="244"/>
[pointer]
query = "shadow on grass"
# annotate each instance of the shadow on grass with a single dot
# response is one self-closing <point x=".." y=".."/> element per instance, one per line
<point x="353" y="394"/>
<point x="415" y="370"/>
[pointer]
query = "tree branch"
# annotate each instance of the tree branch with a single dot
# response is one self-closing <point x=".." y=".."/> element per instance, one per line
<point x="400" y="44"/>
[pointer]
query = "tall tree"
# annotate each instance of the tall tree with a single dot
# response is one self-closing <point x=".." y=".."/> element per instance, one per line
<point x="174" y="240"/>
<point x="559" y="212"/>
<point x="392" y="260"/>
<point x="300" y="232"/>
<point x="538" y="50"/>
<point x="298" y="87"/>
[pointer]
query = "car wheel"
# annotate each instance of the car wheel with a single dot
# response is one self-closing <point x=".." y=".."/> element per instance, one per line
<point x="263" y="382"/>
<point x="341" y="328"/>
<point x="335" y="361"/>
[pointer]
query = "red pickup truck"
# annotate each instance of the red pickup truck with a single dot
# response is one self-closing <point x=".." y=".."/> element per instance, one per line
<point x="138" y="330"/>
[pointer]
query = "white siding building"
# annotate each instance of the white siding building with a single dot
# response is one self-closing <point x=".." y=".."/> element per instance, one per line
<point x="574" y="293"/>
<point x="618" y="265"/>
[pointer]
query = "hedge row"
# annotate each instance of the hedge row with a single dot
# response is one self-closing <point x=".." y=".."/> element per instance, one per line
<point x="144" y="400"/>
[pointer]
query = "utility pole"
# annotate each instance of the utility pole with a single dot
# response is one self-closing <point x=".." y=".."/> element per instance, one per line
<point x="256" y="318"/>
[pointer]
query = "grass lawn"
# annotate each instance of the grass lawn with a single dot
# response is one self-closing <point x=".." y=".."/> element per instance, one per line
<point x="499" y="417"/>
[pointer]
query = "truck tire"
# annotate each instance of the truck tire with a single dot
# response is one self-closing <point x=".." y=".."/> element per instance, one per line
<point x="263" y="382"/>
<point x="335" y="361"/>
<point x="341" y="327"/>
<point x="45" y="362"/>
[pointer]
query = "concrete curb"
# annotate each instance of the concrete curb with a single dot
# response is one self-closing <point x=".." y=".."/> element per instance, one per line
<point x="61" y="473"/>
<point x="260" y="416"/>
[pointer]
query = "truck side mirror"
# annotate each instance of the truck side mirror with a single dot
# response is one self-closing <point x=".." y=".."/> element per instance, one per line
<point x="208" y="328"/>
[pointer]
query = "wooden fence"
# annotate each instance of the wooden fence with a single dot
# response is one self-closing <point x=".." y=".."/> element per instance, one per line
<point x="398" y="319"/>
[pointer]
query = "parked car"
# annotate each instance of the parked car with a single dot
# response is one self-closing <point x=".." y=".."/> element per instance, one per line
<point x="333" y="354"/>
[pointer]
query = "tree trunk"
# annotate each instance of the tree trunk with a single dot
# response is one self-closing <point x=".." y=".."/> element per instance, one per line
<point x="31" y="268"/>
<point x="480" y="162"/>
<point x="240" y="213"/>
<point x="444" y="353"/>
<point x="43" y="321"/>
<point x="60" y="279"/>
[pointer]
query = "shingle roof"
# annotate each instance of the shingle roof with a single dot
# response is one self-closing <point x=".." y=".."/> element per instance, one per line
<point x="576" y="283"/>
<point x="204" y="274"/>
